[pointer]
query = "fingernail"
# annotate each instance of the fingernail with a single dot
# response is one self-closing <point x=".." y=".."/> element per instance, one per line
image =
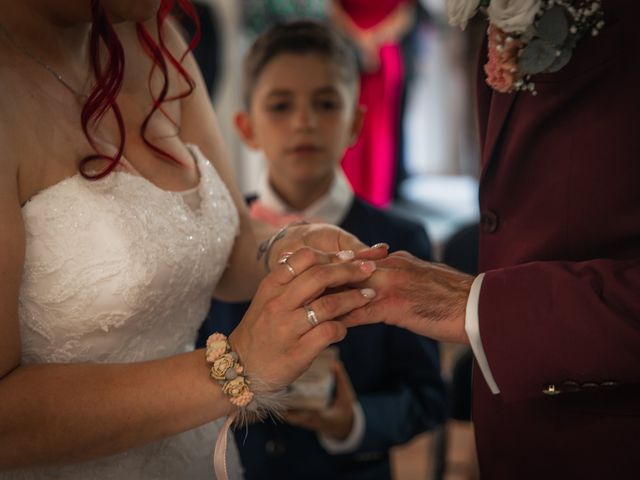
<point x="367" y="266"/>
<point x="345" y="255"/>
<point x="368" y="293"/>
<point x="381" y="245"/>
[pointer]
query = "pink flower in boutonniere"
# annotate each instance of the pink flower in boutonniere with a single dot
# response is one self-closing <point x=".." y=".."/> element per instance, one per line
<point x="502" y="67"/>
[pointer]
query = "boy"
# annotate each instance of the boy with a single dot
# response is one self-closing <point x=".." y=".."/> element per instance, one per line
<point x="301" y="89"/>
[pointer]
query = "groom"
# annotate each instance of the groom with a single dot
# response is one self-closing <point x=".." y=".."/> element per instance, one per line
<point x="554" y="322"/>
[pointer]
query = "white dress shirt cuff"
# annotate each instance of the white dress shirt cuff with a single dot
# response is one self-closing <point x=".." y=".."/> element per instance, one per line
<point x="353" y="440"/>
<point x="472" y="327"/>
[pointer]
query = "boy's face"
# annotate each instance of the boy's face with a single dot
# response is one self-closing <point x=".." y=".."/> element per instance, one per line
<point x="302" y="117"/>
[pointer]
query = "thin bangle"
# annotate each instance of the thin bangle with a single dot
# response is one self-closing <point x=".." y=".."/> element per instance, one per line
<point x="264" y="249"/>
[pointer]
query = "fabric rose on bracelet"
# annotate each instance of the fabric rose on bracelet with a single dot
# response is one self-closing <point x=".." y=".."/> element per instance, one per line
<point x="238" y="391"/>
<point x="461" y="11"/>
<point x="513" y="16"/>
<point x="216" y="346"/>
<point x="221" y="365"/>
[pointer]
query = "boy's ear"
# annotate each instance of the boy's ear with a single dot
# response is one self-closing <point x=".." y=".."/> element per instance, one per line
<point x="356" y="125"/>
<point x="244" y="127"/>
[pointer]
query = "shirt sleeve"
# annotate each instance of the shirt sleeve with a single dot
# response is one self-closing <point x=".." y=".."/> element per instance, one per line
<point x="353" y="440"/>
<point x="472" y="327"/>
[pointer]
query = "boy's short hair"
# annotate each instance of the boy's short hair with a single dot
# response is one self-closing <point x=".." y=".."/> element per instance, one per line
<point x="299" y="37"/>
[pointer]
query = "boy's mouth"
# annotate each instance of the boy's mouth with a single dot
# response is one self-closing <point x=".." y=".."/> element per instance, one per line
<point x="305" y="148"/>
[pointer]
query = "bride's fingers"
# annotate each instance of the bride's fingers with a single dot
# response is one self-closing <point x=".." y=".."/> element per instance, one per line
<point x="376" y="252"/>
<point x="318" y="338"/>
<point x="328" y="307"/>
<point x="318" y="278"/>
<point x="292" y="264"/>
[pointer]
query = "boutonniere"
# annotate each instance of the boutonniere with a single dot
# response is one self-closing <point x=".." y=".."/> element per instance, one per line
<point x="527" y="37"/>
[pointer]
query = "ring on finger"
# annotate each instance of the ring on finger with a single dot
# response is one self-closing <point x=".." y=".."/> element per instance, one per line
<point x="311" y="316"/>
<point x="284" y="260"/>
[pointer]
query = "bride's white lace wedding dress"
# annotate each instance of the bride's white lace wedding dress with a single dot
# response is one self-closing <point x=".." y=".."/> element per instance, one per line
<point x="119" y="270"/>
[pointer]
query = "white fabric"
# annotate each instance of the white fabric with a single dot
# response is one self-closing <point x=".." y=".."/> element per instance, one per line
<point x="353" y="440"/>
<point x="331" y="208"/>
<point x="472" y="327"/>
<point x="119" y="270"/>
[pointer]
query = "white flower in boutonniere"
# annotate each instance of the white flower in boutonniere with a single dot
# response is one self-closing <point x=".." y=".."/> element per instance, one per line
<point x="461" y="11"/>
<point x="528" y="37"/>
<point x="513" y="16"/>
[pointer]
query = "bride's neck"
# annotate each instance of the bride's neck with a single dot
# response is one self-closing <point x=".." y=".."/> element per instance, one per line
<point x="57" y="31"/>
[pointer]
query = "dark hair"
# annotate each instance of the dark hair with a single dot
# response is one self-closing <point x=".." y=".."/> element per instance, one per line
<point x="109" y="79"/>
<point x="298" y="37"/>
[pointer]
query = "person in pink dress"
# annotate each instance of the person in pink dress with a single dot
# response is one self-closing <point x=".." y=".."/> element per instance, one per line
<point x="376" y="29"/>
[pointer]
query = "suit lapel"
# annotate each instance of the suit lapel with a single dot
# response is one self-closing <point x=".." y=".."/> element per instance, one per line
<point x="499" y="108"/>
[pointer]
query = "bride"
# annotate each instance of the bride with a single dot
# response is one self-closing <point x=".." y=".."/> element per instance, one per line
<point x="119" y="219"/>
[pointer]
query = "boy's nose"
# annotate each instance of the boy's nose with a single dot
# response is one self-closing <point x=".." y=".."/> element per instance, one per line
<point x="305" y="118"/>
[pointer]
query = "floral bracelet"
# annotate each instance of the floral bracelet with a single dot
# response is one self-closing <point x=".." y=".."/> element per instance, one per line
<point x="255" y="400"/>
<point x="227" y="370"/>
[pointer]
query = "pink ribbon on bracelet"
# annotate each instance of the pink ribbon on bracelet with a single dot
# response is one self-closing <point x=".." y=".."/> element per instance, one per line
<point x="220" y="450"/>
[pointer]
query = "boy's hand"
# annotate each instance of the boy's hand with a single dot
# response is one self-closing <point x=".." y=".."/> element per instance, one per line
<point x="337" y="420"/>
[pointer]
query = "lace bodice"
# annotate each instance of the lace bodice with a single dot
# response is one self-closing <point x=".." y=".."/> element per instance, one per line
<point x="119" y="270"/>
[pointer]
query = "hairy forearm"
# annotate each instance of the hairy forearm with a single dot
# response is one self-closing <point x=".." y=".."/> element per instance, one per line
<point x="58" y="414"/>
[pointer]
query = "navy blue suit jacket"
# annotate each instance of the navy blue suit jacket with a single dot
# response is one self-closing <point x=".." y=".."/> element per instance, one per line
<point x="396" y="376"/>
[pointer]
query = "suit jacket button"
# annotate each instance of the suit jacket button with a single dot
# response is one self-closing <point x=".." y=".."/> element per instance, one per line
<point x="551" y="389"/>
<point x="275" y="448"/>
<point x="488" y="221"/>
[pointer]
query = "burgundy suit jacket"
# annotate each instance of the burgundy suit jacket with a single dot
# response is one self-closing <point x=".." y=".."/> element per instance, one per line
<point x="560" y="245"/>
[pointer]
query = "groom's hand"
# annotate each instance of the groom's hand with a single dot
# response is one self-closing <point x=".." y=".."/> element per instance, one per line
<point x="427" y="298"/>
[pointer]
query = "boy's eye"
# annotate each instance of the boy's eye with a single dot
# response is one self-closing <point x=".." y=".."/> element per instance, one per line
<point x="328" y="104"/>
<point x="278" y="107"/>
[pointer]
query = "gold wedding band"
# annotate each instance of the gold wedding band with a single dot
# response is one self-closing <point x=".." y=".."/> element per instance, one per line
<point x="311" y="316"/>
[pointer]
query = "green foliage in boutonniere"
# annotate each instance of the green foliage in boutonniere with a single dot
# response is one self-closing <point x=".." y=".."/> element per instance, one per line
<point x="527" y="37"/>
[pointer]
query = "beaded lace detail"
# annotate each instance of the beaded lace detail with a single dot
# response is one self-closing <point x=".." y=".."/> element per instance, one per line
<point x="119" y="270"/>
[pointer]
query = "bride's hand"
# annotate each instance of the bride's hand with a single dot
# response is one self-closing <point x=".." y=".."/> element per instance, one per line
<point x="276" y="340"/>
<point x="323" y="237"/>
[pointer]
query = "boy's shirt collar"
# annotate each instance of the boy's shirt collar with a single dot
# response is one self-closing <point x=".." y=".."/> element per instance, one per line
<point x="331" y="208"/>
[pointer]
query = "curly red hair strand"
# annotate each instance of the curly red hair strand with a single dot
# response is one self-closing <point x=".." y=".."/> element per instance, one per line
<point x="159" y="53"/>
<point x="109" y="76"/>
